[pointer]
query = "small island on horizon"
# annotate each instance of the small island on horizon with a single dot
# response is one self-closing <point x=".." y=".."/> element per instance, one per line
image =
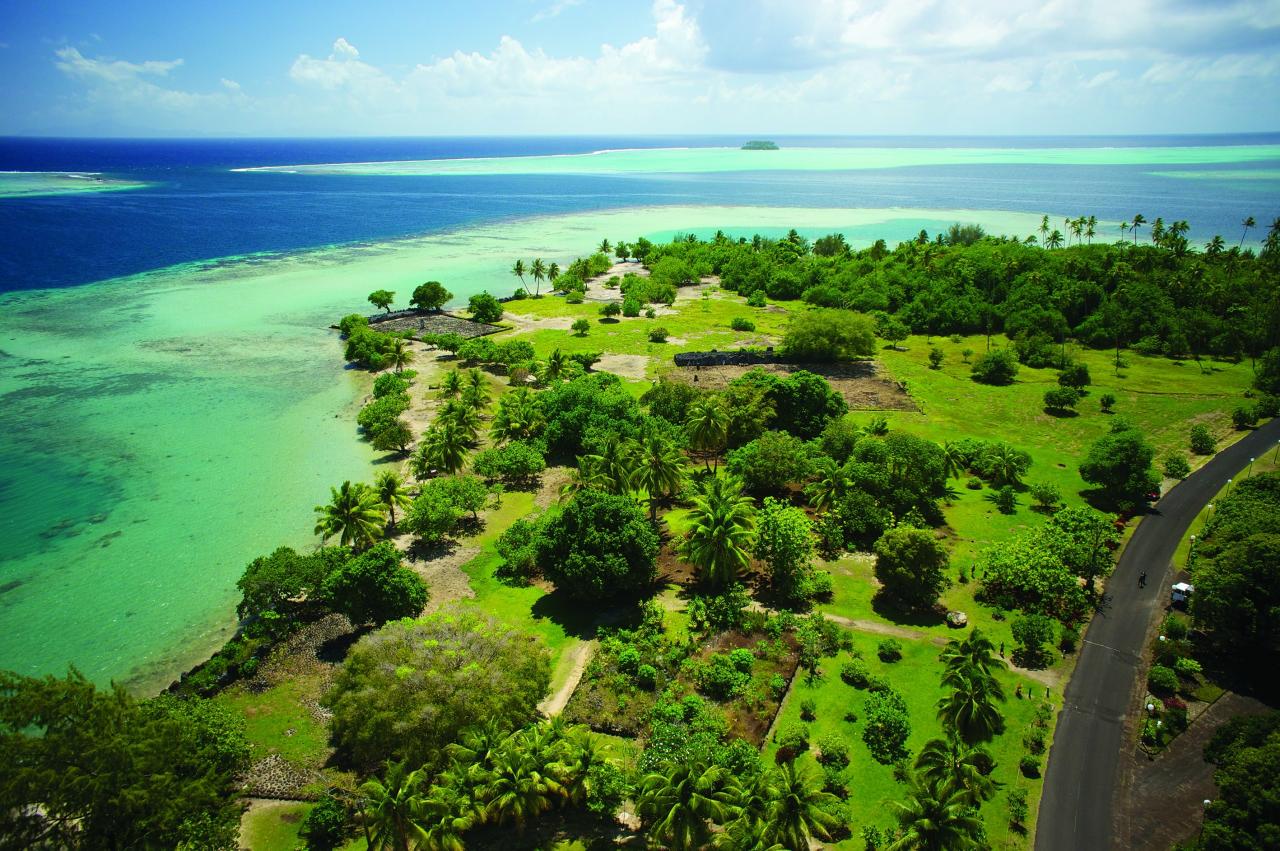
<point x="760" y="145"/>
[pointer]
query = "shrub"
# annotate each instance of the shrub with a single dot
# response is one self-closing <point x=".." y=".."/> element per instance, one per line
<point x="1186" y="667"/>
<point x="1268" y="406"/>
<point x="1174" y="628"/>
<point x="777" y="686"/>
<point x="1061" y="399"/>
<point x="1162" y="680"/>
<point x="1069" y="639"/>
<point x="808" y="709"/>
<point x="756" y="299"/>
<point x="574" y="297"/>
<point x="657" y="334"/>
<point x="856" y="673"/>
<point x="1017" y="806"/>
<point x="741" y="323"/>
<point x="889" y="650"/>
<point x="631" y="306"/>
<point x="887" y="728"/>
<point x="935" y="358"/>
<point x="1202" y="440"/>
<point x="794" y="737"/>
<point x="1106" y="402"/>
<point x="1176" y="466"/>
<point x="628" y="659"/>
<point x="1032" y="632"/>
<point x="650" y="313"/>
<point x="833" y="752"/>
<point x="581" y="326"/>
<point x="1046" y="495"/>
<point x="966" y="354"/>
<point x="1029" y="766"/>
<point x="1074" y="375"/>
<point x="1006" y="500"/>
<point x="646" y="676"/>
<point x="484" y="308"/>
<point x="973" y="483"/>
<point x="999" y="367"/>
<point x="610" y="310"/>
<point x="1244" y="417"/>
<point x="829" y="335"/>
<point x="1034" y="740"/>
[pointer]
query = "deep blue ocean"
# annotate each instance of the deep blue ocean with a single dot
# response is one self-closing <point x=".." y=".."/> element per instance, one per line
<point x="198" y="208"/>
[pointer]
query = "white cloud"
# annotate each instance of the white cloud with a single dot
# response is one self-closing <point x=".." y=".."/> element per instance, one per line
<point x="554" y="10"/>
<point x="71" y="62"/>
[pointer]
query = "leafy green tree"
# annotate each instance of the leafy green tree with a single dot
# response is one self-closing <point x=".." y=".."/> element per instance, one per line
<point x="999" y="367"/>
<point x="325" y="826"/>
<point x="784" y="542"/>
<point x="581" y="326"/>
<point x="771" y="462"/>
<point x="1237" y="597"/>
<point x="887" y="726"/>
<point x="911" y="565"/>
<point x="484" y="308"/>
<point x="599" y="547"/>
<point x="430" y="296"/>
<point x="411" y="688"/>
<point x="392" y="437"/>
<point x="892" y="330"/>
<point x="515" y="463"/>
<point x="1243" y="815"/>
<point x="374" y="587"/>
<point x="433" y="513"/>
<point x="1074" y="375"/>
<point x="1033" y="633"/>
<point x="805" y="403"/>
<point x="1062" y="400"/>
<point x="1119" y="463"/>
<point x="720" y="525"/>
<point x="275" y="583"/>
<point x="936" y="817"/>
<point x="829" y="335"/>
<point x="382" y="299"/>
<point x="1202" y="440"/>
<point x="85" y="768"/>
<point x="354" y="514"/>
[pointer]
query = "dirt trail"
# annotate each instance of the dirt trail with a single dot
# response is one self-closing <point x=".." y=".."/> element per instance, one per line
<point x="581" y="656"/>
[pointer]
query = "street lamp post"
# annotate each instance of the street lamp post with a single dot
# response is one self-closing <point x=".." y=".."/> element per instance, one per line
<point x="1191" y="552"/>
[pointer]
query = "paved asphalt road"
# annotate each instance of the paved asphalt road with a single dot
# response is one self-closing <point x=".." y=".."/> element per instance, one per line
<point x="1076" y="807"/>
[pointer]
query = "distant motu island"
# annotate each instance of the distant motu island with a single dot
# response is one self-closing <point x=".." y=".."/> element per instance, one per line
<point x="760" y="145"/>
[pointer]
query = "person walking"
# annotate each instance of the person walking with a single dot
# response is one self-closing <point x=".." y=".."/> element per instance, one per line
<point x="1142" y="579"/>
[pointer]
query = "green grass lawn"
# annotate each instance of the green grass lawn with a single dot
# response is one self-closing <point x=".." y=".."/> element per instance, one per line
<point x="916" y="677"/>
<point x="276" y="721"/>
<point x="273" y="827"/>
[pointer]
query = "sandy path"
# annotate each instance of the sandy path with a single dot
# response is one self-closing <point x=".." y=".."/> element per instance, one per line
<point x="624" y="366"/>
<point x="581" y="656"/>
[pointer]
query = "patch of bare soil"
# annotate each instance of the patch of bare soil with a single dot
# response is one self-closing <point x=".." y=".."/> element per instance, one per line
<point x="625" y="366"/>
<point x="441" y="570"/>
<point x="524" y="324"/>
<point x="863" y="384"/>
<point x="553" y="479"/>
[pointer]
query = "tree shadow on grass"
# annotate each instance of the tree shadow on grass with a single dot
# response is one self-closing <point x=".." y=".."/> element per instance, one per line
<point x="1062" y="413"/>
<point x="892" y="610"/>
<point x="334" y="651"/>
<point x="573" y="616"/>
<point x="421" y="550"/>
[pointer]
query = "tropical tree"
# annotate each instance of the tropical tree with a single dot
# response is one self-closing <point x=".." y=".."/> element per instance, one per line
<point x="393" y="808"/>
<point x="604" y="247"/>
<point x="950" y="762"/>
<point x="935" y="818"/>
<point x="519" y="787"/>
<point x="954" y="459"/>
<point x="539" y="272"/>
<point x="1005" y="464"/>
<point x="796" y="813"/>
<point x="659" y="468"/>
<point x="463" y="416"/>
<point x="1138" y="221"/>
<point x="553" y="272"/>
<point x="451" y="384"/>
<point x="518" y="270"/>
<point x="829" y="486"/>
<point x="446" y="814"/>
<point x="353" y="514"/>
<point x="970" y="708"/>
<point x="1249" y="222"/>
<point x="391" y="492"/>
<point x="443" y="448"/>
<point x="975" y="652"/>
<point x="1054" y="240"/>
<point x="707" y="425"/>
<point x="1215" y="246"/>
<point x="519" y="416"/>
<point x="555" y="369"/>
<point x="382" y="299"/>
<point x="399" y="355"/>
<point x="1044" y="229"/>
<point x="719" y="536"/>
<point x="612" y="468"/>
<point x="680" y="802"/>
<point x="1091" y="228"/>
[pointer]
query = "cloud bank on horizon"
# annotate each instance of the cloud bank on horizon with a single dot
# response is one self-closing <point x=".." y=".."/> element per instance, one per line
<point x="699" y="66"/>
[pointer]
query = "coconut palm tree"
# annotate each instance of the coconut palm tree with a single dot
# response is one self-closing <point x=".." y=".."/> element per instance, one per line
<point x="970" y="709"/>
<point x="680" y="802"/>
<point x="612" y="469"/>
<point x="399" y="355"/>
<point x="1249" y="222"/>
<point x="443" y="448"/>
<point x="451" y="384"/>
<point x="477" y="748"/>
<point x="393" y="808"/>
<point x="719" y="536"/>
<point x="1044" y="229"/>
<point x="519" y="416"/>
<point x="518" y="788"/>
<point x="604" y="247"/>
<point x="935" y="818"/>
<point x="975" y="652"/>
<point x="1054" y="239"/>
<point x="556" y="367"/>
<point x="751" y="799"/>
<point x="446" y="814"/>
<point x="955" y="461"/>
<point x="1091" y="228"/>
<point x="707" y="425"/>
<point x="831" y="483"/>
<point x="950" y="762"/>
<point x="797" y="813"/>
<point x="518" y="270"/>
<point x="553" y="272"/>
<point x="391" y="493"/>
<point x="1005" y="464"/>
<point x="463" y="416"/>
<point x="354" y="514"/>
<point x="580" y="752"/>
<point x="1138" y="221"/>
<point x="539" y="272"/>
<point x="659" y="468"/>
<point x="1215" y="246"/>
<point x="1077" y="228"/>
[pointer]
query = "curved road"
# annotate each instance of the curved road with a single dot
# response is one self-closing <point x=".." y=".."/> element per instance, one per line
<point x="1076" y="807"/>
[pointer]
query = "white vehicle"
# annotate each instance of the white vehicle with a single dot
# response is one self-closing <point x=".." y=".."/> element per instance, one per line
<point x="1181" y="593"/>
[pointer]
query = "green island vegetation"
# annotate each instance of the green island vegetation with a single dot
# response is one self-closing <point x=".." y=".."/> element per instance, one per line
<point x="820" y="579"/>
<point x="760" y="145"/>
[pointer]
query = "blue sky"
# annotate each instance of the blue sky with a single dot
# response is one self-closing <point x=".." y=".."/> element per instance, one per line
<point x="159" y="67"/>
